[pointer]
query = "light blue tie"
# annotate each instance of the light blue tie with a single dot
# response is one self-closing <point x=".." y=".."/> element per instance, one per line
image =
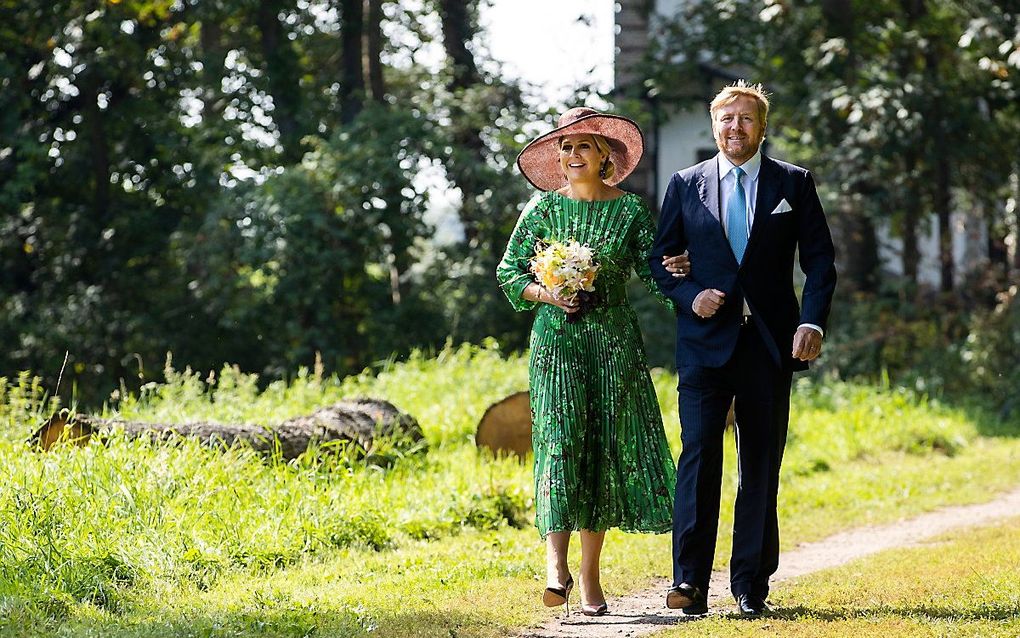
<point x="736" y="217"/>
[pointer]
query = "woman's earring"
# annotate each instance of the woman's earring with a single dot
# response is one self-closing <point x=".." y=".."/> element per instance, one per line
<point x="605" y="167"/>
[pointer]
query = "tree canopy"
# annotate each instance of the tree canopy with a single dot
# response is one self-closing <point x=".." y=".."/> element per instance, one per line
<point x="247" y="182"/>
<point x="257" y="182"/>
<point x="904" y="106"/>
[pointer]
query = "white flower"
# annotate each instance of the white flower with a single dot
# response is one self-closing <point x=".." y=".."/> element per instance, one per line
<point x="565" y="268"/>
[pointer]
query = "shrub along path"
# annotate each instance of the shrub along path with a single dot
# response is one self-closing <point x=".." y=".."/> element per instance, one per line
<point x="645" y="612"/>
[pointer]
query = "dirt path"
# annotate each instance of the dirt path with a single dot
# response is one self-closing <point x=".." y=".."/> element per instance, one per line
<point x="645" y="612"/>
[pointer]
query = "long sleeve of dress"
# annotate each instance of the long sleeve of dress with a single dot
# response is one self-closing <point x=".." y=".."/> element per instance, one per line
<point x="641" y="244"/>
<point x="513" y="272"/>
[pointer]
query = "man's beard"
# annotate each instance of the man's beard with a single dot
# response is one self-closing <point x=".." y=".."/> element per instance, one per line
<point x="748" y="154"/>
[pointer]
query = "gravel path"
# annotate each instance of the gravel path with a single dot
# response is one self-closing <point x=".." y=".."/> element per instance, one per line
<point x="645" y="612"/>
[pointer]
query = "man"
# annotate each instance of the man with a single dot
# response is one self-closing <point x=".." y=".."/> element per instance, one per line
<point x="742" y="217"/>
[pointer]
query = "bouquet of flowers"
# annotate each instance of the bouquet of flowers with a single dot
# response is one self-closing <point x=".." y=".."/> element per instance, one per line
<point x="567" y="270"/>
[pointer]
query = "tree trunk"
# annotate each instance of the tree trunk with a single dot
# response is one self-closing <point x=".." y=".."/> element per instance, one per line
<point x="505" y="427"/>
<point x="352" y="79"/>
<point x="100" y="154"/>
<point x="861" y="263"/>
<point x="998" y="250"/>
<point x="914" y="11"/>
<point x="911" y="256"/>
<point x="943" y="208"/>
<point x="358" y="422"/>
<point x="458" y="30"/>
<point x="282" y="73"/>
<point x="1015" y="181"/>
<point x="860" y="260"/>
<point x="911" y="218"/>
<point x="213" y="58"/>
<point x="373" y="49"/>
<point x="939" y="139"/>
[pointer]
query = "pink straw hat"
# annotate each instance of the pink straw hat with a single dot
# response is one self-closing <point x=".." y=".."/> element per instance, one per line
<point x="539" y="162"/>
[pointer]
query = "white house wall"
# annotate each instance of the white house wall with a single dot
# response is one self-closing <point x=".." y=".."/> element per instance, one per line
<point x="970" y="239"/>
<point x="680" y="138"/>
<point x="667" y="7"/>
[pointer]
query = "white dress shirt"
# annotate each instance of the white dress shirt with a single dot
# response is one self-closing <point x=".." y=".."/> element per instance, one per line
<point x="727" y="183"/>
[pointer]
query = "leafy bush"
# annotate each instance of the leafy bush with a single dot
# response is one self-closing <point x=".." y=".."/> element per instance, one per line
<point x="938" y="346"/>
<point x="991" y="352"/>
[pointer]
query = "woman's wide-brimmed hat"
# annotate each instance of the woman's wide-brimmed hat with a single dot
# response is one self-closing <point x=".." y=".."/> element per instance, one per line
<point x="539" y="162"/>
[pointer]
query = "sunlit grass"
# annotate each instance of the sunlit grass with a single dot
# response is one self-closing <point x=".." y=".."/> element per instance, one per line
<point x="966" y="584"/>
<point x="133" y="538"/>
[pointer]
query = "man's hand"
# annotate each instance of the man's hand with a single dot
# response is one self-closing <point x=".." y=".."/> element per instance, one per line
<point x="708" y="302"/>
<point x="807" y="344"/>
<point x="678" y="266"/>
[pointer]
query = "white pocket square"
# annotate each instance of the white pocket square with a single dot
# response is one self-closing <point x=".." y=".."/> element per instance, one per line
<point x="783" y="207"/>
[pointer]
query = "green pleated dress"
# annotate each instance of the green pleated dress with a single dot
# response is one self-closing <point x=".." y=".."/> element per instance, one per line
<point x="601" y="455"/>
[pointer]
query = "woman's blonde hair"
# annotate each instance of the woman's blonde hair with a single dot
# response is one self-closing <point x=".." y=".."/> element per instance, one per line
<point x="608" y="168"/>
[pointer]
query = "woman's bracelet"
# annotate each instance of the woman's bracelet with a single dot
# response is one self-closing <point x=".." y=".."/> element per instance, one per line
<point x="539" y="293"/>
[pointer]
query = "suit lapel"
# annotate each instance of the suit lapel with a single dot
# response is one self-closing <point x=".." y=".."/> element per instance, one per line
<point x="708" y="188"/>
<point x="765" y="202"/>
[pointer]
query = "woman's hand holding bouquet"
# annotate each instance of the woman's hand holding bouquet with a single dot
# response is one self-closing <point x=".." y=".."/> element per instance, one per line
<point x="567" y="270"/>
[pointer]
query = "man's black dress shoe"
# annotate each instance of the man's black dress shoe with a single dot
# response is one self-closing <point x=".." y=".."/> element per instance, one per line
<point x="751" y="606"/>
<point x="687" y="598"/>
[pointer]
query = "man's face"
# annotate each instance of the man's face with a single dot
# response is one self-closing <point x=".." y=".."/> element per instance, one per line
<point x="738" y="129"/>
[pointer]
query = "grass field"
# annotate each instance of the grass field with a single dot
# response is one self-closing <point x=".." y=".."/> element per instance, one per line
<point x="962" y="585"/>
<point x="137" y="539"/>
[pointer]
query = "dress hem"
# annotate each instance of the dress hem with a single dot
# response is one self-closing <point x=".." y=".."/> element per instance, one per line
<point x="628" y="530"/>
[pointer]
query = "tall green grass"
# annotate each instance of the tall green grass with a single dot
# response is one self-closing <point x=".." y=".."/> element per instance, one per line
<point x="86" y="524"/>
<point x="119" y="537"/>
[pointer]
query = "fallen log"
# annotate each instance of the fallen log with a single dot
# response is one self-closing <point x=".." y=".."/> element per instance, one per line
<point x="359" y="422"/>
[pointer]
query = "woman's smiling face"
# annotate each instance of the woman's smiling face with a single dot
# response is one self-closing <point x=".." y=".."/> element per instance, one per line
<point x="580" y="159"/>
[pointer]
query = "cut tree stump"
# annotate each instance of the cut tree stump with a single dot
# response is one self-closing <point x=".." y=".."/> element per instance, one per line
<point x="506" y="426"/>
<point x="358" y="421"/>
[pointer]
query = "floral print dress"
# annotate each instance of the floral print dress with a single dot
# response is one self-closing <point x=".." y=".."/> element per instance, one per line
<point x="601" y="455"/>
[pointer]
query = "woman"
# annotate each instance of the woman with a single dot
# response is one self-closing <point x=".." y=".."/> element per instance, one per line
<point x="601" y="456"/>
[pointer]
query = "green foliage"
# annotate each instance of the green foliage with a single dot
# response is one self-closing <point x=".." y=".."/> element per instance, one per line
<point x="895" y="106"/>
<point x="956" y="349"/>
<point x="304" y="264"/>
<point x="199" y="178"/>
<point x="991" y="354"/>
<point x="862" y="422"/>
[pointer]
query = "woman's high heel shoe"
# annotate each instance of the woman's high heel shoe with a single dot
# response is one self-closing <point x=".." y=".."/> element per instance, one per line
<point x="594" y="610"/>
<point x="553" y="596"/>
